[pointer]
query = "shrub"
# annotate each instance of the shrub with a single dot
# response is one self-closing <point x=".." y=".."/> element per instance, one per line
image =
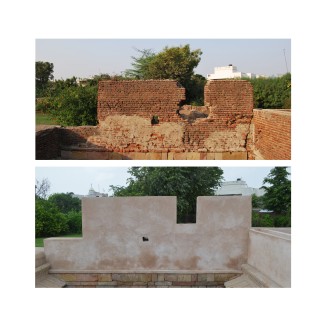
<point x="272" y="92"/>
<point x="262" y="220"/>
<point x="74" y="220"/>
<point x="76" y="106"/>
<point x="282" y="220"/>
<point x="43" y="104"/>
<point x="48" y="220"/>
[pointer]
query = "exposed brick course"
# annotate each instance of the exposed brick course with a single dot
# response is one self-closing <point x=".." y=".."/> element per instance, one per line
<point x="271" y="134"/>
<point x="145" y="99"/>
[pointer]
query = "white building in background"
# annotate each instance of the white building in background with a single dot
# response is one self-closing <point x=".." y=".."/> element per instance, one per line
<point x="92" y="193"/>
<point x="238" y="188"/>
<point x="230" y="72"/>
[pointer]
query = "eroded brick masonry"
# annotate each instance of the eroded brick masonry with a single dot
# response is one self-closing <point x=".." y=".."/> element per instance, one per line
<point x="148" y="120"/>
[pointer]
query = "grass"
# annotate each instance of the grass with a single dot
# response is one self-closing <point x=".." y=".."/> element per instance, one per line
<point x="39" y="240"/>
<point x="44" y="119"/>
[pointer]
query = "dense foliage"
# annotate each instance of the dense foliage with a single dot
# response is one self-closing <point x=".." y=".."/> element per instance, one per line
<point x="277" y="198"/>
<point x="65" y="202"/>
<point x="272" y="92"/>
<point x="74" y="221"/>
<point x="48" y="219"/>
<point x="75" y="106"/>
<point x="58" y="215"/>
<point x="270" y="220"/>
<point x="187" y="183"/>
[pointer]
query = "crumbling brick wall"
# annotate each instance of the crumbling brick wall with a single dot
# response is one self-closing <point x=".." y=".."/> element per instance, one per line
<point x="271" y="134"/>
<point x="230" y="104"/>
<point x="227" y="127"/>
<point x="77" y="135"/>
<point x="47" y="143"/>
<point x="126" y="109"/>
<point x="51" y="140"/>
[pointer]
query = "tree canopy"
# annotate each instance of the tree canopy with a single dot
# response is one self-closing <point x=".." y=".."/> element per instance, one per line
<point x="187" y="183"/>
<point x="278" y="191"/>
<point x="65" y="202"/>
<point x="140" y="65"/>
<point x="43" y="73"/>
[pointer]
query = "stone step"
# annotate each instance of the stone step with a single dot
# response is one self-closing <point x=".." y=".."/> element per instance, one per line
<point x="251" y="278"/>
<point x="42" y="277"/>
<point x="39" y="257"/>
<point x="42" y="270"/>
<point x="49" y="281"/>
<point x="241" y="282"/>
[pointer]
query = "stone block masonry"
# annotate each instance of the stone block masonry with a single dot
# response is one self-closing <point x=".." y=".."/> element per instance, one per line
<point x="147" y="279"/>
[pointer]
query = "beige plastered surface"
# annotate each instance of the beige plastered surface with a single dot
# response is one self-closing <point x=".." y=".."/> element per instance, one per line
<point x="113" y="231"/>
<point x="270" y="253"/>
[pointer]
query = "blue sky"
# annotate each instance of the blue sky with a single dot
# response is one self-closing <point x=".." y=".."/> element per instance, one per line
<point x="79" y="179"/>
<point x="87" y="57"/>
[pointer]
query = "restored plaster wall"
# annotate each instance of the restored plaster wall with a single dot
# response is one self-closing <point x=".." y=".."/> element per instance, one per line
<point x="114" y="228"/>
<point x="270" y="253"/>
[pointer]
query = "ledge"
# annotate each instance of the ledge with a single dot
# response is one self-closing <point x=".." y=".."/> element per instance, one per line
<point x="147" y="271"/>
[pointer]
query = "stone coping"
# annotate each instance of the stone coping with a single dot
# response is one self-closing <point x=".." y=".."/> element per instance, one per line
<point x="275" y="110"/>
<point x="148" y="271"/>
<point x="258" y="277"/>
<point x="281" y="234"/>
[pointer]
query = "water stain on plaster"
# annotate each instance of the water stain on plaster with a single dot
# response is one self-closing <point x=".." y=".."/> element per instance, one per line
<point x="148" y="260"/>
<point x="188" y="264"/>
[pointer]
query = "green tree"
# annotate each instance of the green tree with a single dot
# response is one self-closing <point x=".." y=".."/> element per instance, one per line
<point x="43" y="73"/>
<point x="187" y="183"/>
<point x="48" y="219"/>
<point x="65" y="202"/>
<point x="177" y="63"/>
<point x="257" y="202"/>
<point x="140" y="65"/>
<point x="278" y="191"/>
<point x="195" y="90"/>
